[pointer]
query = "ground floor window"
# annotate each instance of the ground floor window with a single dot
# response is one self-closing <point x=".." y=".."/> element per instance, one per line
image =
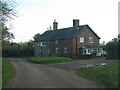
<point x="57" y="50"/>
<point x="65" y="50"/>
<point x="91" y="50"/>
<point x="86" y="51"/>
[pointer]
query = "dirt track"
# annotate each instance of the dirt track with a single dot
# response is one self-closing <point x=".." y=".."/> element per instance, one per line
<point x="31" y="75"/>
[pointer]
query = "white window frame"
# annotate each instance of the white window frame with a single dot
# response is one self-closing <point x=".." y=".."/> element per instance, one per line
<point x="81" y="39"/>
<point x="65" y="50"/>
<point x="56" y="42"/>
<point x="56" y="50"/>
<point x="41" y="43"/>
<point x="91" y="40"/>
<point x="86" y="51"/>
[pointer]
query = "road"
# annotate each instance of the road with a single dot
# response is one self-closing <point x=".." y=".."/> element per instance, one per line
<point x="31" y="75"/>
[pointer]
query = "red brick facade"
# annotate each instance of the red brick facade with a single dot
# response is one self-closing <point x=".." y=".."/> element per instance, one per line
<point x="67" y="41"/>
<point x="72" y="45"/>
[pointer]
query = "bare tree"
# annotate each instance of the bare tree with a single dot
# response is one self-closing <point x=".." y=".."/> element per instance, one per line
<point x="7" y="12"/>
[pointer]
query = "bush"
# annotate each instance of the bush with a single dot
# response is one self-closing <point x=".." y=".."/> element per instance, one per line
<point x="112" y="49"/>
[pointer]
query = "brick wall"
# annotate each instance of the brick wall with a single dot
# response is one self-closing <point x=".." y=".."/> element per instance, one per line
<point x="62" y="44"/>
<point x="69" y="43"/>
<point x="86" y="34"/>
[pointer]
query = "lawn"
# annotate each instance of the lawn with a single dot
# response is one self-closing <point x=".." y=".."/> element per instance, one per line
<point x="106" y="76"/>
<point x="7" y="72"/>
<point x="0" y="73"/>
<point x="46" y="60"/>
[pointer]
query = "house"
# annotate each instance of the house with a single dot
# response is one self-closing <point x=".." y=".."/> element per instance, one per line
<point x="71" y="41"/>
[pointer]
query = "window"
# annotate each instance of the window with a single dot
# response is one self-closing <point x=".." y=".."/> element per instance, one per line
<point x="56" y="42"/>
<point x="65" y="50"/>
<point x="84" y="51"/>
<point x="48" y="51"/>
<point x="88" y="50"/>
<point x="91" y="39"/>
<point x="57" y="50"/>
<point x="81" y="39"/>
<point x="37" y="43"/>
<point x="41" y="43"/>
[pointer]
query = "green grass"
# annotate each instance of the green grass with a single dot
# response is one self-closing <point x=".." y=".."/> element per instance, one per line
<point x="46" y="60"/>
<point x="7" y="72"/>
<point x="106" y="76"/>
<point x="0" y="73"/>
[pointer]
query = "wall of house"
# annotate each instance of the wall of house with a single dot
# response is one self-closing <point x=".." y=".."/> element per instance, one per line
<point x="42" y="50"/>
<point x="86" y="34"/>
<point x="61" y="45"/>
<point x="73" y="46"/>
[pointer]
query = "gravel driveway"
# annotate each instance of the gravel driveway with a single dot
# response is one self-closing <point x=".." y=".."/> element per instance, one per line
<point x="31" y="75"/>
<point x="69" y="65"/>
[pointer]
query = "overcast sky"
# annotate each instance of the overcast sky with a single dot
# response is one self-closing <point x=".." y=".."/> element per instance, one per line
<point x="35" y="16"/>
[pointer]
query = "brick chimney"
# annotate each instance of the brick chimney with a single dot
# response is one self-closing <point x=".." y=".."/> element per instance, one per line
<point x="55" y="25"/>
<point x="75" y="22"/>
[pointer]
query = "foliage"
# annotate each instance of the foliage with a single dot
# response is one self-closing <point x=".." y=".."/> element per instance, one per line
<point x="18" y="49"/>
<point x="7" y="72"/>
<point x="36" y="35"/>
<point x="6" y="35"/>
<point x="7" y="12"/>
<point x="46" y="60"/>
<point x="106" y="76"/>
<point x="112" y="49"/>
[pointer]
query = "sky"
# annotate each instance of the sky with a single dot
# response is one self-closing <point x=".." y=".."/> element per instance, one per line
<point x="35" y="16"/>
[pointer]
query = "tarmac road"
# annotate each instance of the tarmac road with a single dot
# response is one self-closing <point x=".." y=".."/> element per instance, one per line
<point x="31" y="75"/>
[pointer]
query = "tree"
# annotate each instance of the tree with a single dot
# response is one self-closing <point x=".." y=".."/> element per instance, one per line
<point x="112" y="49"/>
<point x="7" y="13"/>
<point x="36" y="35"/>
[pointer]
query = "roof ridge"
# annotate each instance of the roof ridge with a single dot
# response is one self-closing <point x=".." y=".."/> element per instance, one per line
<point x="68" y="27"/>
<point x="72" y="27"/>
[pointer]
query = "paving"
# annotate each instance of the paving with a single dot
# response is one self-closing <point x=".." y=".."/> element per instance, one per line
<point x="31" y="75"/>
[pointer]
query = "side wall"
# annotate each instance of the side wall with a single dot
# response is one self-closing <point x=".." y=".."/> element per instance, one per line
<point x="42" y="50"/>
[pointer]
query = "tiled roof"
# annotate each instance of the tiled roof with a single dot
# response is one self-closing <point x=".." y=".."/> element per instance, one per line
<point x="65" y="33"/>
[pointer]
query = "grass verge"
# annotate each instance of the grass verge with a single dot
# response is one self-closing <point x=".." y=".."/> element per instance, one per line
<point x="106" y="76"/>
<point x="7" y="72"/>
<point x="0" y="73"/>
<point x="47" y="60"/>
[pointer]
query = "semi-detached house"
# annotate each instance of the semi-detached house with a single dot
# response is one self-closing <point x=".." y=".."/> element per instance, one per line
<point x="71" y="41"/>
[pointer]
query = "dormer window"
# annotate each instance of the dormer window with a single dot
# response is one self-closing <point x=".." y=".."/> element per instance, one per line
<point x="91" y="40"/>
<point x="56" y="42"/>
<point x="81" y="39"/>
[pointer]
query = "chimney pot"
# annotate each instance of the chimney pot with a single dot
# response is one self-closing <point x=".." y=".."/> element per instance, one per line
<point x="55" y="25"/>
<point x="75" y="22"/>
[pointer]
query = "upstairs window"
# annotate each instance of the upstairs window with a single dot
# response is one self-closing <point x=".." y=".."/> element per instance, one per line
<point x="41" y="43"/>
<point x="65" y="50"/>
<point x="81" y="39"/>
<point x="56" y="42"/>
<point x="91" y="40"/>
<point x="57" y="50"/>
